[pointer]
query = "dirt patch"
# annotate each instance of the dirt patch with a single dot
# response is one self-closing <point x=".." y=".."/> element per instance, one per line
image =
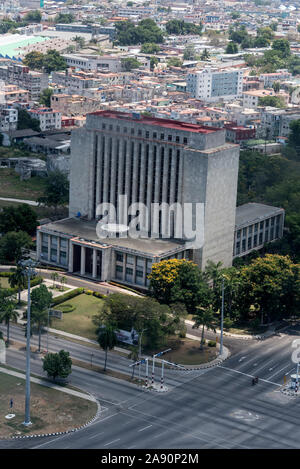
<point x="51" y="410"/>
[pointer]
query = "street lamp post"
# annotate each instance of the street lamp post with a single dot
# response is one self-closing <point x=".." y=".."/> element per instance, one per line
<point x="28" y="268"/>
<point x="140" y="351"/>
<point x="222" y="318"/>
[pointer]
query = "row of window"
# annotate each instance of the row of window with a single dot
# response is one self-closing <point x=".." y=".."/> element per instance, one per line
<point x="146" y="134"/>
<point x="256" y="240"/>
<point x="254" y="228"/>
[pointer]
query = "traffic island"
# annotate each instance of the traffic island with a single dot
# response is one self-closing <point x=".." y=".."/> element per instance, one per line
<point x="52" y="411"/>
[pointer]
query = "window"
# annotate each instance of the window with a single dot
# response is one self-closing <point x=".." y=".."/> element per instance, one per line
<point x="255" y="241"/>
<point x="255" y="227"/>
<point x="139" y="132"/>
<point x="177" y="139"/>
<point x="103" y="126"/>
<point x="154" y="135"/>
<point x="238" y="235"/>
<point x="170" y="138"/>
<point x="132" y="131"/>
<point x="244" y="231"/>
<point x="261" y="225"/>
<point x="185" y="140"/>
<point x="162" y="136"/>
<point x="243" y="245"/>
<point x="250" y="243"/>
<point x="120" y="257"/>
<point x="267" y="223"/>
<point x="125" y="130"/>
<point x="110" y="127"/>
<point x="250" y="229"/>
<point x="129" y="259"/>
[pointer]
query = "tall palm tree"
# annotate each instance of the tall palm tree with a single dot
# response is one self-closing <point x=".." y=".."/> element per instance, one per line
<point x="18" y="279"/>
<point x="204" y="317"/>
<point x="107" y="339"/>
<point x="39" y="319"/>
<point x="8" y="313"/>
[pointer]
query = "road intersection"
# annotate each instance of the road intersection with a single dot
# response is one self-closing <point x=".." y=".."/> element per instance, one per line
<point x="212" y="408"/>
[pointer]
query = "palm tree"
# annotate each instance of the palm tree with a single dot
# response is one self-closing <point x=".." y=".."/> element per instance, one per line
<point x="205" y="54"/>
<point x="8" y="313"/>
<point x="134" y="356"/>
<point x="18" y="279"/>
<point x="204" y="317"/>
<point x="107" y="339"/>
<point x="39" y="319"/>
<point x="62" y="281"/>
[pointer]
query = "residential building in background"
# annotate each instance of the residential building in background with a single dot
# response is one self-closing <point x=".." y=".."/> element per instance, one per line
<point x="212" y="84"/>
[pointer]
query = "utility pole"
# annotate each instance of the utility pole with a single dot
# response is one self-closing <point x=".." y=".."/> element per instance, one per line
<point x="222" y="318"/>
<point x="140" y="351"/>
<point x="28" y="268"/>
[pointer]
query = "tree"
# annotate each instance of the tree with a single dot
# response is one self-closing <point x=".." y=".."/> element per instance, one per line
<point x="34" y="16"/>
<point x="20" y="218"/>
<point x="276" y="86"/>
<point x="25" y="121"/>
<point x="41" y="300"/>
<point x="57" y="190"/>
<point x="53" y="61"/>
<point x="107" y="339"/>
<point x="189" y="52"/>
<point x="129" y="63"/>
<point x="80" y="41"/>
<point x="231" y="48"/>
<point x="34" y="60"/>
<point x="150" y="48"/>
<point x="153" y="62"/>
<point x="271" y="285"/>
<point x="64" y="18"/>
<point x="180" y="27"/>
<point x="12" y="245"/>
<point x="57" y="364"/>
<point x="174" y="62"/>
<point x="179" y="281"/>
<point x="282" y="46"/>
<point x="8" y="311"/>
<point x="45" y="97"/>
<point x="18" y="280"/>
<point x="294" y="136"/>
<point x="146" y="31"/>
<point x="274" y="101"/>
<point x="204" y="317"/>
<point x="205" y="55"/>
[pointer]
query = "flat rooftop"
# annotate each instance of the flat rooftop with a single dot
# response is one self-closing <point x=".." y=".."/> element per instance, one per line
<point x="254" y="212"/>
<point x="85" y="231"/>
<point x="168" y="123"/>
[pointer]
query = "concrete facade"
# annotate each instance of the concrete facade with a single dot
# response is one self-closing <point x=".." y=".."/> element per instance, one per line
<point x="150" y="161"/>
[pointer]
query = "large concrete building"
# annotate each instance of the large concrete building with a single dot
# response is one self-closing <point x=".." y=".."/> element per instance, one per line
<point x="211" y="84"/>
<point x="150" y="161"/>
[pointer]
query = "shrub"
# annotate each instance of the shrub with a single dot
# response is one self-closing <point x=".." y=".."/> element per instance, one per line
<point x="212" y="343"/>
<point x="67" y="296"/>
<point x="227" y="323"/>
<point x="67" y="308"/>
<point x="98" y="295"/>
<point x="5" y="274"/>
<point x="88" y="292"/>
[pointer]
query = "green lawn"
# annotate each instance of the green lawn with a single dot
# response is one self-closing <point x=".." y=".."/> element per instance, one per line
<point x="11" y="186"/>
<point x="4" y="282"/>
<point x="79" y="321"/>
<point x="51" y="410"/>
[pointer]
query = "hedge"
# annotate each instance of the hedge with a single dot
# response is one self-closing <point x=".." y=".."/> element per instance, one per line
<point x="67" y="296"/>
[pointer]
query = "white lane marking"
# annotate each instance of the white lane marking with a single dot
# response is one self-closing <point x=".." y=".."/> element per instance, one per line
<point x="94" y="436"/>
<point x="245" y="374"/>
<point x="242" y="358"/>
<point x="111" y="442"/>
<point x="290" y="371"/>
<point x="264" y="365"/>
<point x="278" y="371"/>
<point x="142" y="429"/>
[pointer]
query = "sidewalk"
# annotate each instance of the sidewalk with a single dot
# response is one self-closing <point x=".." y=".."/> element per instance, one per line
<point x="42" y="382"/>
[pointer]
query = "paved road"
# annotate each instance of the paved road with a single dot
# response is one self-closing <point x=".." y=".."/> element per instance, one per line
<point x="217" y="408"/>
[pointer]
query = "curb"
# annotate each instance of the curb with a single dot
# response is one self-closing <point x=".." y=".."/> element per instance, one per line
<point x="217" y="361"/>
<point x="72" y="430"/>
